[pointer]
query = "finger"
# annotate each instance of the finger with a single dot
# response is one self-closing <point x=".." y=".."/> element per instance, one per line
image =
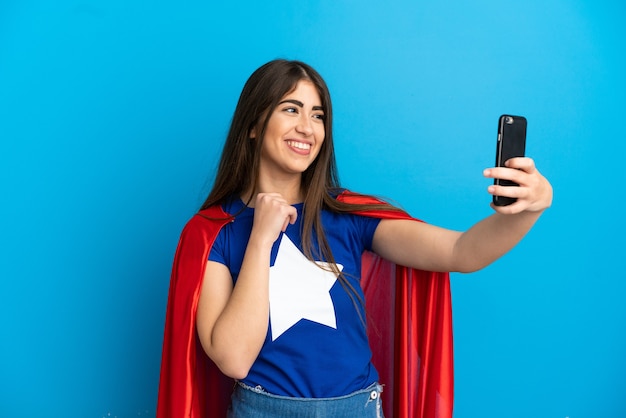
<point x="293" y="216"/>
<point x="290" y="218"/>
<point x="516" y="192"/>
<point x="498" y="172"/>
<point x="521" y="163"/>
<point x="504" y="173"/>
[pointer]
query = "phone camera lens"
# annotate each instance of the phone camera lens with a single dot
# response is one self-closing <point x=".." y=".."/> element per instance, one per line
<point x="508" y="120"/>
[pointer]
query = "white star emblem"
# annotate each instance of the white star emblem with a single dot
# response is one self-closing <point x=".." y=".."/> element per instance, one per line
<point x="299" y="289"/>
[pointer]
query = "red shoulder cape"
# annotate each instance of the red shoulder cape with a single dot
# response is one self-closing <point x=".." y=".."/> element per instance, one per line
<point x="409" y="328"/>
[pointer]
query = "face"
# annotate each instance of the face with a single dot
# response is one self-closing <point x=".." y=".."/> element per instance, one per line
<point x="295" y="132"/>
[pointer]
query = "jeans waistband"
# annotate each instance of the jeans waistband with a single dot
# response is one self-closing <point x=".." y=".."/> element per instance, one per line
<point x="374" y="387"/>
<point x="254" y="402"/>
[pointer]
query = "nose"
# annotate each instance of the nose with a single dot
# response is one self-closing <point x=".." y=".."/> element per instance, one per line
<point x="304" y="125"/>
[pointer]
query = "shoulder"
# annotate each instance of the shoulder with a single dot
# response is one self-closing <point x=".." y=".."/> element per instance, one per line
<point x="206" y="221"/>
<point x="212" y="213"/>
<point x="354" y="198"/>
<point x="370" y="206"/>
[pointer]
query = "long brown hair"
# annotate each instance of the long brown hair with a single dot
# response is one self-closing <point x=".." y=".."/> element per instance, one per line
<point x="238" y="169"/>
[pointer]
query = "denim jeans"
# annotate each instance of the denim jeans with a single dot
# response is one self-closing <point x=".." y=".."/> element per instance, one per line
<point x="249" y="402"/>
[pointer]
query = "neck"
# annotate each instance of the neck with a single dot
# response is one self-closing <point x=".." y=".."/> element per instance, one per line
<point x="289" y="189"/>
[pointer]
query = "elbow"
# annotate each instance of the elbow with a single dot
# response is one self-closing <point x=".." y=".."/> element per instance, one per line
<point x="230" y="363"/>
<point x="467" y="270"/>
<point x="234" y="370"/>
<point x="469" y="267"/>
<point x="234" y="358"/>
<point x="464" y="262"/>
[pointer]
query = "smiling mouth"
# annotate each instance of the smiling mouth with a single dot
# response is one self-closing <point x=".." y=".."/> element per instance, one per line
<point x="299" y="145"/>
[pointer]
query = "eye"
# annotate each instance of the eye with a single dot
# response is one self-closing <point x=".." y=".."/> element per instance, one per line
<point x="319" y="116"/>
<point x="290" y="110"/>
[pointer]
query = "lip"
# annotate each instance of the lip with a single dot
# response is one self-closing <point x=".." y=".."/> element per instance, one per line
<point x="304" y="149"/>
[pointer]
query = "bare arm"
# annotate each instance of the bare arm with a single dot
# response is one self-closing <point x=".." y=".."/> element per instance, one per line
<point x="429" y="247"/>
<point x="232" y="320"/>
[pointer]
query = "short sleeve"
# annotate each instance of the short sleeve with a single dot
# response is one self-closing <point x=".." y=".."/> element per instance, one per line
<point x="367" y="226"/>
<point x="217" y="253"/>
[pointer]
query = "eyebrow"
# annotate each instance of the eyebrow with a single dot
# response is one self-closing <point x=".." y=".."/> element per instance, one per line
<point x="300" y="104"/>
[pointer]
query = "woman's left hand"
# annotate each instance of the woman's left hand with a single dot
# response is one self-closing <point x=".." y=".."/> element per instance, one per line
<point x="534" y="193"/>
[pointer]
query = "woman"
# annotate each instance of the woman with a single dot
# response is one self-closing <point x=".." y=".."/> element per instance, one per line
<point x="280" y="307"/>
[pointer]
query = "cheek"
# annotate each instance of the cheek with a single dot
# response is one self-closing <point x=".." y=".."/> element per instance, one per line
<point x="320" y="134"/>
<point x="319" y="140"/>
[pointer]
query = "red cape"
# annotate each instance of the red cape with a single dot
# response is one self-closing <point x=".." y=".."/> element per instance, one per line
<point x="409" y="328"/>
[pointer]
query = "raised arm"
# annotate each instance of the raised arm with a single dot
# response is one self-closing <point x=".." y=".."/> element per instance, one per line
<point x="428" y="247"/>
<point x="232" y="320"/>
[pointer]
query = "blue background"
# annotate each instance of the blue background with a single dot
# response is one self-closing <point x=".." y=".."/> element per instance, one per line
<point x="113" y="114"/>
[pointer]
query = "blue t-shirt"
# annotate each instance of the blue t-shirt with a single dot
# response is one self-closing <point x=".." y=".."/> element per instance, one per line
<point x="316" y="345"/>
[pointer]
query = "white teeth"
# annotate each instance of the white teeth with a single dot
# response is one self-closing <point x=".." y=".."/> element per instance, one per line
<point x="299" y="145"/>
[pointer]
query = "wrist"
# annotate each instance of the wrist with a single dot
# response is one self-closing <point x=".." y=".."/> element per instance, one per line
<point x="261" y="242"/>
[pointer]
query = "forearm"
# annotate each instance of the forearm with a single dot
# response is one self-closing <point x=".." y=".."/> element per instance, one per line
<point x="490" y="239"/>
<point x="240" y="330"/>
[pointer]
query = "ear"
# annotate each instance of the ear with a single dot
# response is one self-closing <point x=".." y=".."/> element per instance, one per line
<point x="252" y="133"/>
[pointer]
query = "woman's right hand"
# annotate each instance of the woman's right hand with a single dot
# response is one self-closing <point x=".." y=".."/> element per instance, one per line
<point x="272" y="214"/>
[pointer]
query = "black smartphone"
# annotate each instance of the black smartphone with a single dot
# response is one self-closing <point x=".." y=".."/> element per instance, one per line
<point x="511" y="143"/>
